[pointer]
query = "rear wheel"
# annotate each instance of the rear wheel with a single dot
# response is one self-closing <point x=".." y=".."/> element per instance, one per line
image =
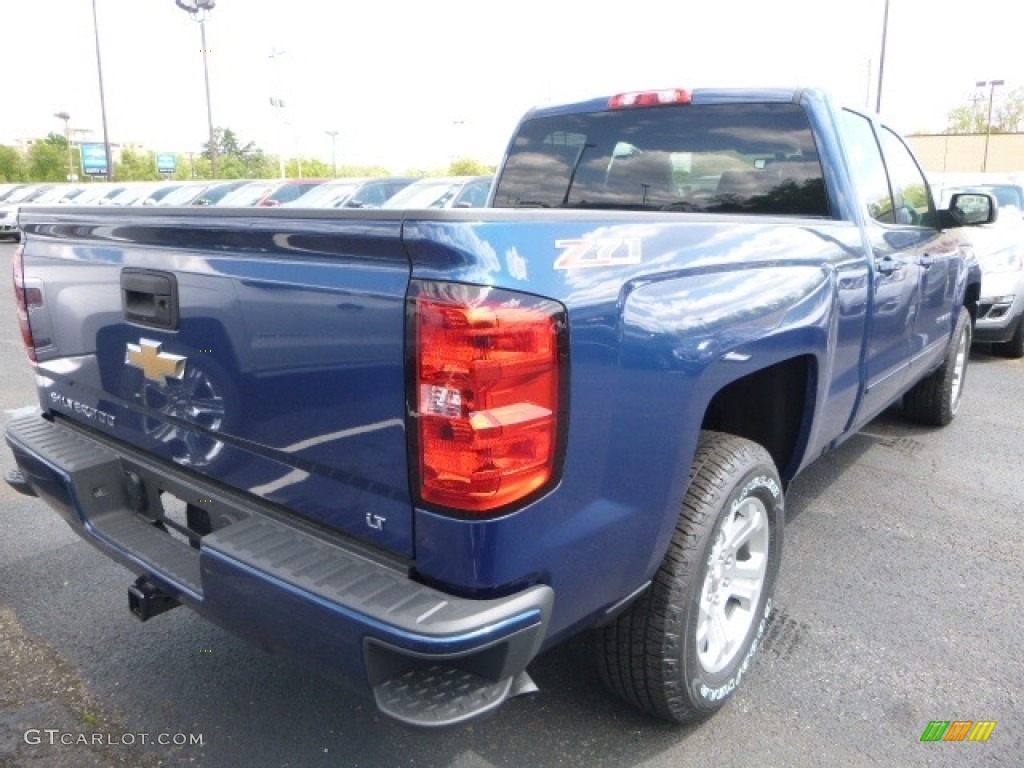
<point x="935" y="399"/>
<point x="681" y="649"/>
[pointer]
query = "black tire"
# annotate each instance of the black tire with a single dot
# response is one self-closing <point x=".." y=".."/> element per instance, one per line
<point x="656" y="655"/>
<point x="1014" y="348"/>
<point x="936" y="398"/>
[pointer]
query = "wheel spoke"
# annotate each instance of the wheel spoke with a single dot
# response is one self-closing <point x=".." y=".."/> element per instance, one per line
<point x="748" y="520"/>
<point x="159" y="430"/>
<point x="210" y="409"/>
<point x="750" y="569"/>
<point x="703" y="628"/>
<point x="712" y="636"/>
<point x="746" y="591"/>
<point x="199" y="450"/>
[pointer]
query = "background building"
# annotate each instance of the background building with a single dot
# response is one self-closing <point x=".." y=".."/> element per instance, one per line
<point x="939" y="153"/>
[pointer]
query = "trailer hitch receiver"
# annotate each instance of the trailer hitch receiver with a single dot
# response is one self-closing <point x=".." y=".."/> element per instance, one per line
<point x="146" y="599"/>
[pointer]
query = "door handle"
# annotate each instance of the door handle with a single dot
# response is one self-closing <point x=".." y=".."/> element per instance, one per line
<point x="926" y="260"/>
<point x="150" y="297"/>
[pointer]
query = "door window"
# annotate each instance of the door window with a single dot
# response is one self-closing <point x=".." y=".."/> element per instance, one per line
<point x="913" y="202"/>
<point x="866" y="161"/>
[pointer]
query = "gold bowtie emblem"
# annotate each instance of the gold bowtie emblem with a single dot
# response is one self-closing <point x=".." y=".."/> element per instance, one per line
<point x="156" y="365"/>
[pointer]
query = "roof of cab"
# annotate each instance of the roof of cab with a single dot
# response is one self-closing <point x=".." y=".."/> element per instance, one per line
<point x="697" y="96"/>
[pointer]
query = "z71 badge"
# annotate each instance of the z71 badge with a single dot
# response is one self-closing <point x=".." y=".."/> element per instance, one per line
<point x="603" y="252"/>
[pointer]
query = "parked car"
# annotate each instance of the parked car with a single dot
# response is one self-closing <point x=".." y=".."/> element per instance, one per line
<point x="353" y="193"/>
<point x="134" y="193"/>
<point x="999" y="248"/>
<point x="69" y="192"/>
<point x="443" y="192"/>
<point x="161" y="191"/>
<point x="56" y="194"/>
<point x="11" y="189"/>
<point x="268" y="193"/>
<point x="9" y="222"/>
<point x="6" y="189"/>
<point x="99" y="193"/>
<point x="28" y="193"/>
<point x="204" y="192"/>
<point x="184" y="193"/>
<point x="13" y="203"/>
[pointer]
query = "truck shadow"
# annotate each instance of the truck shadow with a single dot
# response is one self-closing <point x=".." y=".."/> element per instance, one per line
<point x="890" y="429"/>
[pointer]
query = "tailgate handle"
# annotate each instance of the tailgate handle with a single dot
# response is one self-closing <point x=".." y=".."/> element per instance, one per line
<point x="150" y="297"/>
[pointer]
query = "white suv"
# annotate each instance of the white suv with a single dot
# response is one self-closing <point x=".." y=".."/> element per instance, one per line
<point x="1000" y="251"/>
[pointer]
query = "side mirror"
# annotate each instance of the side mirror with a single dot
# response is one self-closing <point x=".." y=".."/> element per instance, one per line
<point x="970" y="209"/>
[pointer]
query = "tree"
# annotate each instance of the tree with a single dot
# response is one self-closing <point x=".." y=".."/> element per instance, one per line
<point x="136" y="166"/>
<point x="235" y="160"/>
<point x="356" y="171"/>
<point x="467" y="166"/>
<point x="972" y="117"/>
<point x="47" y="160"/>
<point x="12" y="165"/>
<point x="311" y="169"/>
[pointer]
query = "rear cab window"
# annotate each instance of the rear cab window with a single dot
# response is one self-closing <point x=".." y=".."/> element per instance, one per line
<point x="716" y="158"/>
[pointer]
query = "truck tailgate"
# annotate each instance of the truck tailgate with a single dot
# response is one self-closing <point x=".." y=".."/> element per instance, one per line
<point x="266" y="354"/>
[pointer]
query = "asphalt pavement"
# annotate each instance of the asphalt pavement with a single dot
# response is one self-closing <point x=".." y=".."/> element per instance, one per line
<point x="900" y="602"/>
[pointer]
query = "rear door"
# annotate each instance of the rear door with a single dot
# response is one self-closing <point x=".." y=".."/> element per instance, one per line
<point x="937" y="254"/>
<point x="896" y="248"/>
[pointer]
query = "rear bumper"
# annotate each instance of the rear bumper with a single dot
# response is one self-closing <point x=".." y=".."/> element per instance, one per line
<point x="427" y="657"/>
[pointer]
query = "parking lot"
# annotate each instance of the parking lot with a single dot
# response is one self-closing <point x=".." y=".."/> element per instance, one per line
<point x="899" y="603"/>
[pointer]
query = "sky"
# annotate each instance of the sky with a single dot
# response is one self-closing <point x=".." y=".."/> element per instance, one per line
<point x="412" y="84"/>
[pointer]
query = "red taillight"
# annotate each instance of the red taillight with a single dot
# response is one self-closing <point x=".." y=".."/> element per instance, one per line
<point x="649" y="98"/>
<point x="24" y="299"/>
<point x="488" y="376"/>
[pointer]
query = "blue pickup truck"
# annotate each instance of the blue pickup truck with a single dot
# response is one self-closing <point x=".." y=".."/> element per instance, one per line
<point x="417" y="448"/>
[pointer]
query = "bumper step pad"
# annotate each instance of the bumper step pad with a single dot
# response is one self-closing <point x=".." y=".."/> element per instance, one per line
<point x="440" y="695"/>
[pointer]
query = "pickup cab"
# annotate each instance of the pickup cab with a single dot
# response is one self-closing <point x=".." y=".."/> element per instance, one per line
<point x="419" y="447"/>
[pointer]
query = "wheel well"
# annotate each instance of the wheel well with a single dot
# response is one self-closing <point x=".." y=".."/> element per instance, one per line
<point x="971" y="298"/>
<point x="767" y="406"/>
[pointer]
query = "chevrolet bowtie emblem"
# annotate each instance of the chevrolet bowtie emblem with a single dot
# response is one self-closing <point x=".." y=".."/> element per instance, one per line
<point x="156" y="365"/>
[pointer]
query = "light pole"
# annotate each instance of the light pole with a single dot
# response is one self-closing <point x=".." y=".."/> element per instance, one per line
<point x="334" y="152"/>
<point x="988" y="123"/>
<point x="67" y="140"/>
<point x="198" y="10"/>
<point x="881" y="58"/>
<point x="457" y="126"/>
<point x="103" y="101"/>
<point x="278" y="104"/>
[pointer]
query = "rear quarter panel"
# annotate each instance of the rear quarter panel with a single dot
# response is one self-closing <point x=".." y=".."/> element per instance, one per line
<point x="663" y="312"/>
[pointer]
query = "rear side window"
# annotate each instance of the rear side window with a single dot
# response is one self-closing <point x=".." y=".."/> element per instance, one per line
<point x="718" y="158"/>
<point x="909" y="188"/>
